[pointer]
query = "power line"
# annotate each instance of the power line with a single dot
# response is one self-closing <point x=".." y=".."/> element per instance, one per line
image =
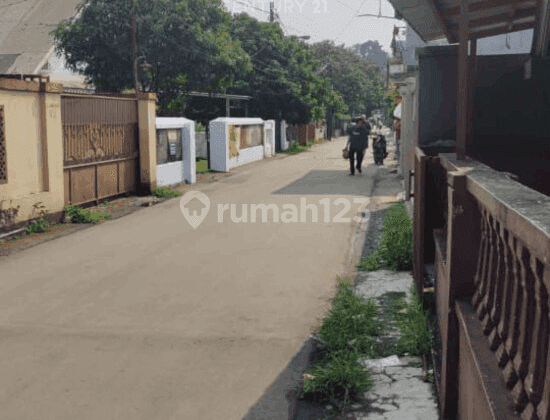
<point x="281" y="21"/>
<point x="249" y="5"/>
<point x="344" y="4"/>
<point x="287" y="26"/>
<point x="347" y="24"/>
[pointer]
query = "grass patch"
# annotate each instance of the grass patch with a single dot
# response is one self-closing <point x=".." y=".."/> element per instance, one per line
<point x="39" y="223"/>
<point x="337" y="377"/>
<point x="370" y="263"/>
<point x="77" y="214"/>
<point x="202" y="166"/>
<point x="337" y="381"/>
<point x="351" y="322"/>
<point x="164" y="193"/>
<point x="296" y="148"/>
<point x="414" y="325"/>
<point x="395" y="251"/>
<point x="39" y="226"/>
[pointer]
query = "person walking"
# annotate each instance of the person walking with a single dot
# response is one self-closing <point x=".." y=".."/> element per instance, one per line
<point x="357" y="144"/>
<point x="397" y="128"/>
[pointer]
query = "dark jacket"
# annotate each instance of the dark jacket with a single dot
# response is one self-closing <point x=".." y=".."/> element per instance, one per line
<point x="359" y="138"/>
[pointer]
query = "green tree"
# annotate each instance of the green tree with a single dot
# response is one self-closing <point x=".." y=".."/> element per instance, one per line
<point x="372" y="50"/>
<point x="284" y="82"/>
<point x="187" y="42"/>
<point x="358" y="81"/>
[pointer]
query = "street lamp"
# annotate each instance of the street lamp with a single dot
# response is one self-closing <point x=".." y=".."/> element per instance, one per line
<point x="143" y="66"/>
<point x="134" y="50"/>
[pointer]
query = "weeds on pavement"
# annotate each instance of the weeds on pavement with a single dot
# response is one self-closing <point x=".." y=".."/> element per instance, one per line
<point x="77" y="214"/>
<point x="39" y="223"/>
<point x="337" y="376"/>
<point x="164" y="193"/>
<point x="40" y="226"/>
<point x="395" y="250"/>
<point x="413" y="323"/>
<point x="296" y="147"/>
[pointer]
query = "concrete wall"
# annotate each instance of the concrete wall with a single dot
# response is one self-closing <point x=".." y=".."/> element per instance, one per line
<point x="184" y="170"/>
<point x="220" y="148"/>
<point x="511" y="115"/>
<point x="34" y="150"/>
<point x="409" y="130"/>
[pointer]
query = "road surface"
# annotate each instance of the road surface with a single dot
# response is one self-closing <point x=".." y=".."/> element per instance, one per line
<point x="145" y="317"/>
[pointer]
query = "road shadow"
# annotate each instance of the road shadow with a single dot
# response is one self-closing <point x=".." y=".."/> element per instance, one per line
<point x="329" y="183"/>
<point x="280" y="401"/>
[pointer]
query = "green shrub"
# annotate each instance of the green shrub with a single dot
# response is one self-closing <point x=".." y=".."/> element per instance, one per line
<point x="396" y="247"/>
<point x="77" y="214"/>
<point x="38" y="226"/>
<point x="164" y="193"/>
<point x="351" y="322"/>
<point x="413" y="323"/>
<point x="370" y="262"/>
<point x="199" y="127"/>
<point x="39" y="223"/>
<point x="202" y="166"/>
<point x="337" y="381"/>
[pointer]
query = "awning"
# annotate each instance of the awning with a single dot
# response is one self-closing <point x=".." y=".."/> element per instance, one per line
<point x="436" y="19"/>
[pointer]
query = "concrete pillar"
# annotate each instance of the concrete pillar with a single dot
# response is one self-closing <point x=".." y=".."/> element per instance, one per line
<point x="147" y="141"/>
<point x="49" y="114"/>
<point x="462" y="245"/>
<point x="406" y="155"/>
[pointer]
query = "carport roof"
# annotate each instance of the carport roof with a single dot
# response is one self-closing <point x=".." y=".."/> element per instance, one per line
<point x="436" y="19"/>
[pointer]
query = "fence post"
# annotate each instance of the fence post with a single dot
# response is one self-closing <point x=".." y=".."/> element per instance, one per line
<point x="463" y="230"/>
<point x="147" y="141"/>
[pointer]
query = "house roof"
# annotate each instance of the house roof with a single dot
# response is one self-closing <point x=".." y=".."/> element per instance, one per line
<point x="434" y="19"/>
<point x="25" y="26"/>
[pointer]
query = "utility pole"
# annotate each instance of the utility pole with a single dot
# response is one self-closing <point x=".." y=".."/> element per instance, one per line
<point x="134" y="48"/>
<point x="271" y="12"/>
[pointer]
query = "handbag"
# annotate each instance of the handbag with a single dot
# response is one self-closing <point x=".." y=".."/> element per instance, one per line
<point x="345" y="154"/>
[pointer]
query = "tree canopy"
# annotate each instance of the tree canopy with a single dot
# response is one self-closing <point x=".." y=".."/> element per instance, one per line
<point x="196" y="45"/>
<point x="186" y="42"/>
<point x="357" y="80"/>
<point x="284" y="81"/>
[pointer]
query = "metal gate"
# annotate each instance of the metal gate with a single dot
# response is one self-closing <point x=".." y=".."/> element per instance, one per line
<point x="278" y="146"/>
<point x="100" y="146"/>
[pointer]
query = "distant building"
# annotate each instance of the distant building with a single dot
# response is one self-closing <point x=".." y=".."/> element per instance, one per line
<point x="26" y="45"/>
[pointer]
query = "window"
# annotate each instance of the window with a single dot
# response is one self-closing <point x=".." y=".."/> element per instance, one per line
<point x="3" y="154"/>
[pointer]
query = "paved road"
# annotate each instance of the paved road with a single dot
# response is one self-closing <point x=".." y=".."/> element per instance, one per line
<point x="146" y="318"/>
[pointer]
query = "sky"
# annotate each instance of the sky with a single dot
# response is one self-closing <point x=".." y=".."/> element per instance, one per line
<point x="334" y="20"/>
<point x="337" y="20"/>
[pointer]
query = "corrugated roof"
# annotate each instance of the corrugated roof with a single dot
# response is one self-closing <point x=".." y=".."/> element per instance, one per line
<point x="6" y="61"/>
<point x="25" y="27"/>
